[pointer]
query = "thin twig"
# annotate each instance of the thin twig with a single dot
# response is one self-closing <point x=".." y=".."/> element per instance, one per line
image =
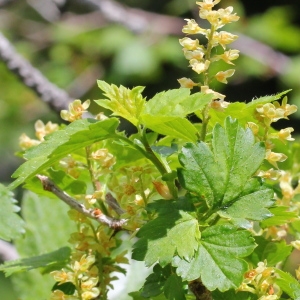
<point x="55" y="97"/>
<point x="95" y="214"/>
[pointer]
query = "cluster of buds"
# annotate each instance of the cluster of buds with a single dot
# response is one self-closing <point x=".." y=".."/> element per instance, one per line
<point x="201" y="57"/>
<point x="83" y="274"/>
<point x="41" y="130"/>
<point x="261" y="282"/>
<point x="76" y="110"/>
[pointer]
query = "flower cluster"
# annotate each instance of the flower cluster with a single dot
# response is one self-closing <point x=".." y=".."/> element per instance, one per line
<point x="41" y="130"/>
<point x="200" y="56"/>
<point x="266" y="114"/>
<point x="83" y="274"/>
<point x="261" y="282"/>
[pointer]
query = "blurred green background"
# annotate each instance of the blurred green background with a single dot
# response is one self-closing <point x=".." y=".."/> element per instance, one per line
<point x="75" y="42"/>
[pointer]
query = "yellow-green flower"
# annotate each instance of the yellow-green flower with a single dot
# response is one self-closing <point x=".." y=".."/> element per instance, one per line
<point x="76" y="109"/>
<point x="223" y="75"/>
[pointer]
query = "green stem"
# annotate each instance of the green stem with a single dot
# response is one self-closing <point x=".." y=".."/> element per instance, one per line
<point x="205" y="120"/>
<point x="160" y="166"/>
<point x="149" y="154"/>
<point x="93" y="178"/>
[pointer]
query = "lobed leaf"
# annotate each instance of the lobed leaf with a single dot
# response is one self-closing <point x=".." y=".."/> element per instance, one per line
<point x="172" y="231"/>
<point x="218" y="259"/>
<point x="77" y="135"/>
<point x="11" y="225"/>
<point x="223" y="176"/>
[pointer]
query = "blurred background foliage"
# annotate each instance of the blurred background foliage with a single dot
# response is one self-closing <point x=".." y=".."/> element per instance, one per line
<point x="133" y="42"/>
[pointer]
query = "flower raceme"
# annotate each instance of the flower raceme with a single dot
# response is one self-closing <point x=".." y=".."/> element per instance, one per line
<point x="199" y="56"/>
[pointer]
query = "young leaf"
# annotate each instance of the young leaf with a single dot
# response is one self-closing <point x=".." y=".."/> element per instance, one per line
<point x="172" y="231"/>
<point x="222" y="176"/>
<point x="217" y="261"/>
<point x="122" y="102"/>
<point x="288" y="284"/>
<point x="281" y="215"/>
<point x="173" y="126"/>
<point x="244" y="112"/>
<point x="176" y="102"/>
<point x="165" y="113"/>
<point x="77" y="135"/>
<point x="11" y="225"/>
<point x="272" y="251"/>
<point x="55" y="259"/>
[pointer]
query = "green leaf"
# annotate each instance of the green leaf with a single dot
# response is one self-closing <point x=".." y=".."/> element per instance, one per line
<point x="176" y="127"/>
<point x="217" y="260"/>
<point x="55" y="260"/>
<point x="244" y="112"/>
<point x="222" y="176"/>
<point x="154" y="284"/>
<point x="165" y="113"/>
<point x="272" y="251"/>
<point x="177" y="102"/>
<point x="233" y="295"/>
<point x="47" y="226"/>
<point x="173" y="288"/>
<point x="67" y="287"/>
<point x="11" y="224"/>
<point x="281" y="215"/>
<point x="172" y="231"/>
<point x="77" y="135"/>
<point x="251" y="205"/>
<point x="122" y="102"/>
<point x="288" y="284"/>
<point x="138" y="296"/>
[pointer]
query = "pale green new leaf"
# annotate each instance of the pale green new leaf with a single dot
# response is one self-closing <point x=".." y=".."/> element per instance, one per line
<point x="223" y="176"/>
<point x="11" y="224"/>
<point x="218" y="260"/>
<point x="172" y="231"/>
<point x="122" y="101"/>
<point x="175" y="127"/>
<point x="166" y="113"/>
<point x="59" y="144"/>
<point x="55" y="260"/>
<point x="177" y="103"/>
<point x="244" y="112"/>
<point x="281" y="215"/>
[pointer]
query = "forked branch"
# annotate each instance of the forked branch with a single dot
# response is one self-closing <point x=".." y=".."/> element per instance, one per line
<point x="93" y="213"/>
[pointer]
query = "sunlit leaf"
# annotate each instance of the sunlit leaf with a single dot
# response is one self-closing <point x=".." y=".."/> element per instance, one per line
<point x="223" y="176"/>
<point x="122" y="101"/>
<point x="77" y="135"/>
<point x="218" y="259"/>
